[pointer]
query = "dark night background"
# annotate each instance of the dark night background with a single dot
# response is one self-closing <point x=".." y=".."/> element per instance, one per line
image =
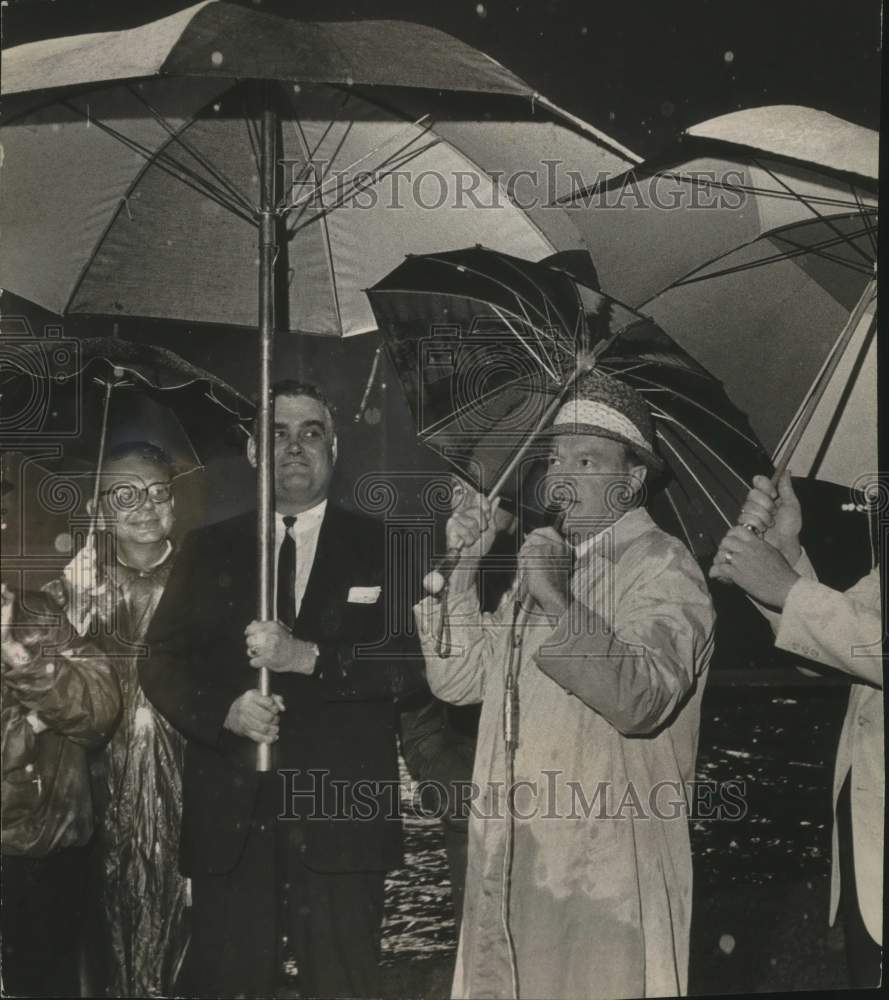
<point x="640" y="70"/>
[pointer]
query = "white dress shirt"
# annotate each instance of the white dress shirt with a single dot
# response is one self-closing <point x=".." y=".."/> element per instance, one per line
<point x="305" y="534"/>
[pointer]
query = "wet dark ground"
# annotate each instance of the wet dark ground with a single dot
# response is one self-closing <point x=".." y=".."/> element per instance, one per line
<point x="761" y="882"/>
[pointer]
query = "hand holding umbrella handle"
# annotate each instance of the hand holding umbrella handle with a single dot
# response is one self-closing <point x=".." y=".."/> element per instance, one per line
<point x="437" y="578"/>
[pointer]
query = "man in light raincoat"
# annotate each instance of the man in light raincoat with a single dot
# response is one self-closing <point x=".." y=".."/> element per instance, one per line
<point x="611" y="668"/>
<point x="843" y="631"/>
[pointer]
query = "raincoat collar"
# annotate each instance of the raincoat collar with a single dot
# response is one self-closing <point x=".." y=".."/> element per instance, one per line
<point x="612" y="541"/>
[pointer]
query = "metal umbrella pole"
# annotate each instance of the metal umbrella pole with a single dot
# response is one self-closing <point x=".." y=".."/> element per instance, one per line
<point x="263" y="426"/>
<point x="794" y="433"/>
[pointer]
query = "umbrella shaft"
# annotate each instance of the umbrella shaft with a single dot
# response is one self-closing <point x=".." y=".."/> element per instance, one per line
<point x="265" y="403"/>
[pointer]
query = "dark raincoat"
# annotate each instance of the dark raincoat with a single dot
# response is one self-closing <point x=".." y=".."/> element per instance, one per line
<point x="68" y="687"/>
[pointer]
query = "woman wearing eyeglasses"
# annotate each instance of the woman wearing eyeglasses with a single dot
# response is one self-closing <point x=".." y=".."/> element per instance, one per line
<point x="140" y="933"/>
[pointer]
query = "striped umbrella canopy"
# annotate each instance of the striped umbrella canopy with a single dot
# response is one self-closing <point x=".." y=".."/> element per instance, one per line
<point x="133" y="163"/>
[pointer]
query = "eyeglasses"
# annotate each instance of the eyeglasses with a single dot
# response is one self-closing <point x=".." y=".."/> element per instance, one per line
<point x="127" y="496"/>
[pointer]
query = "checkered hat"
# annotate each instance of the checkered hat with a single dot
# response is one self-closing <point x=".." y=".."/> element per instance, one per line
<point x="605" y="407"/>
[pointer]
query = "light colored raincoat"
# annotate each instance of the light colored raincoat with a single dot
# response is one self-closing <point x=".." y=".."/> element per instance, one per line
<point x="609" y="710"/>
<point x="844" y="630"/>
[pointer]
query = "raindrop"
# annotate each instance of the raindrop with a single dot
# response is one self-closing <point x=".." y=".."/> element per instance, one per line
<point x="216" y="58"/>
<point x="729" y="56"/>
<point x="372" y="415"/>
<point x="297" y="89"/>
<point x="584" y="30"/>
<point x="481" y="10"/>
<point x="611" y="116"/>
<point x="63" y="542"/>
<point x="217" y="106"/>
<point x="726" y="944"/>
<point x="349" y="80"/>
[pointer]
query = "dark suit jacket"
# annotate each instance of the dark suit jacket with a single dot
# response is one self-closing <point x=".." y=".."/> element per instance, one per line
<point x="340" y="721"/>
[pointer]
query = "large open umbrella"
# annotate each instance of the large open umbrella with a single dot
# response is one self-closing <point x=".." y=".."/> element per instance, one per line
<point x="176" y="169"/>
<point x="753" y="244"/>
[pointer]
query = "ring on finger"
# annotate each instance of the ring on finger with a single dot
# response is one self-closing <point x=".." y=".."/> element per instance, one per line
<point x="728" y="557"/>
<point x="754" y="529"/>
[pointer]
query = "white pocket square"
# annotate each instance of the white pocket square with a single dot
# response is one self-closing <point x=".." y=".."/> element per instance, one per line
<point x="364" y="595"/>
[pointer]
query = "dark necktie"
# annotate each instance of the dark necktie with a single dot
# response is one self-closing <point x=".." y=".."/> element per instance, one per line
<point x="287" y="576"/>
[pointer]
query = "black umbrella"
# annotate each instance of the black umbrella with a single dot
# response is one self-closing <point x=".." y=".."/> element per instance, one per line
<point x="93" y="393"/>
<point x="486" y="345"/>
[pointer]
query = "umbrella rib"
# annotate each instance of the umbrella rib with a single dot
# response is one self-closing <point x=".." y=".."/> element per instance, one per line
<point x="694" y="274"/>
<point x="495" y="182"/>
<point x="679" y="517"/>
<point x="865" y="217"/>
<point x="843" y="401"/>
<point x="698" y="405"/>
<point x="178" y="137"/>
<point x="548" y="304"/>
<point x="790" y="437"/>
<point x="466" y="407"/>
<point x="825" y="219"/>
<point x="148" y="160"/>
<point x="375" y="149"/>
<point x="252" y="135"/>
<point x="328" y="256"/>
<point x="822" y="252"/>
<point x="319" y="184"/>
<point x="814" y="248"/>
<point x="552" y="374"/>
<point x="695" y="477"/>
<point x="370" y="179"/>
<point x="788" y="195"/>
<point x="311" y="152"/>
<point x="539" y="335"/>
<point x="495" y="281"/>
<point x="666" y="418"/>
<point x="169" y="165"/>
<point x="210" y="394"/>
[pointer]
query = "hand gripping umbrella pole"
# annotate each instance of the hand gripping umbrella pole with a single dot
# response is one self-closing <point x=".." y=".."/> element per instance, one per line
<point x="436" y="581"/>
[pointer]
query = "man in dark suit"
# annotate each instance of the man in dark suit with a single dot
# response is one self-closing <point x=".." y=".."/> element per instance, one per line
<point x="297" y="855"/>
